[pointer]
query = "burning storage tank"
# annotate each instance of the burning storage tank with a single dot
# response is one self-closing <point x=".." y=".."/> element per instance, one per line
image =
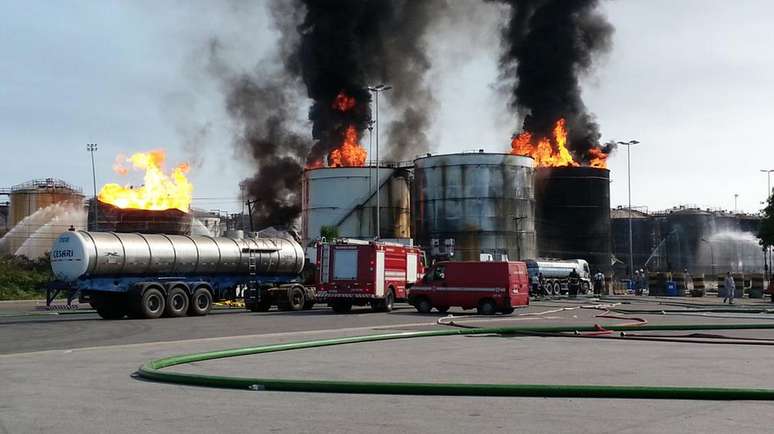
<point x="111" y="218"/>
<point x="573" y="214"/>
<point x="483" y="203"/>
<point x="160" y="205"/>
<point x="345" y="198"/>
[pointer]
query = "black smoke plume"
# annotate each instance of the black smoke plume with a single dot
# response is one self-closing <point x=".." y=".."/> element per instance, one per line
<point x="261" y="105"/>
<point x="348" y="45"/>
<point x="326" y="48"/>
<point x="549" y="45"/>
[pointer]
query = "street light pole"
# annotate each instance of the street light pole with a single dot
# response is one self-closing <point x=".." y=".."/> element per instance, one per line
<point x="736" y="196"/>
<point x="92" y="147"/>
<point x="629" y="176"/>
<point x="377" y="90"/>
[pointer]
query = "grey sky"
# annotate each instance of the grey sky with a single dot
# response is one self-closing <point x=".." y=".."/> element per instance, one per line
<point x="688" y="79"/>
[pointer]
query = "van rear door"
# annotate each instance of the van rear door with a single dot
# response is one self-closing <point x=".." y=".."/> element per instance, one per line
<point x="518" y="284"/>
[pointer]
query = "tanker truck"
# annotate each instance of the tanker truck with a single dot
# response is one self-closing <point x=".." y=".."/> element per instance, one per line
<point x="150" y="275"/>
<point x="556" y="272"/>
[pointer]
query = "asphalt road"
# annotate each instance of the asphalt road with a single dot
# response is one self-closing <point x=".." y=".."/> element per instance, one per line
<point x="71" y="373"/>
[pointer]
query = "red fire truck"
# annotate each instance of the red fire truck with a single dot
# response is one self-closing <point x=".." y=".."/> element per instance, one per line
<point x="488" y="286"/>
<point x="354" y="272"/>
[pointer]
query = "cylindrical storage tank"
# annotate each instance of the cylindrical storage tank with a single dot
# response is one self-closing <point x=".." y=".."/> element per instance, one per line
<point x="111" y="218"/>
<point x="345" y="198"/>
<point x="80" y="253"/>
<point x="482" y="201"/>
<point x="573" y="215"/>
<point x="27" y="198"/>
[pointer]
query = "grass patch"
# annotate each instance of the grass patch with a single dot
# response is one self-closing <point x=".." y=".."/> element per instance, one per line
<point x="24" y="279"/>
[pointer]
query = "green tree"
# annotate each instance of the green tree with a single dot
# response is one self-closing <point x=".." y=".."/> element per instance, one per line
<point x="766" y="231"/>
<point x="329" y="232"/>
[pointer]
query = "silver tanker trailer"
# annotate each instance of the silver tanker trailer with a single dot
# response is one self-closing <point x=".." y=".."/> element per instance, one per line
<point x="150" y="275"/>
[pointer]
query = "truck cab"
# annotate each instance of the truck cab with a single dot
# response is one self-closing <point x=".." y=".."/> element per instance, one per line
<point x="488" y="286"/>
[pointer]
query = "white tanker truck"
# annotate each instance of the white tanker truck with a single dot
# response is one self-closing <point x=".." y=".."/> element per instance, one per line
<point x="150" y="275"/>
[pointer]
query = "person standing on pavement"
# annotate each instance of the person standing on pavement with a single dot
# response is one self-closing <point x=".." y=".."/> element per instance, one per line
<point x="599" y="283"/>
<point x="730" y="288"/>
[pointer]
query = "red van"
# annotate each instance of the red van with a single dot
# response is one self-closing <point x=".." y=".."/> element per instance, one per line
<point x="489" y="287"/>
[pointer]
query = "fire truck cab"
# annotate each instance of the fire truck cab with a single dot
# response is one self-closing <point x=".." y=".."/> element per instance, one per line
<point x="488" y="286"/>
<point x="355" y="272"/>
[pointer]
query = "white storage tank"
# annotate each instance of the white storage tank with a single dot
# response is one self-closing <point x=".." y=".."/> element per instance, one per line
<point x="345" y="198"/>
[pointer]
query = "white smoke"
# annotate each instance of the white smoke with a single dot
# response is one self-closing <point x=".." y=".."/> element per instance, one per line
<point x="33" y="236"/>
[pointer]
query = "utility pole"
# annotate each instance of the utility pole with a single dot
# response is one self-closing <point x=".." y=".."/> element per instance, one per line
<point x="629" y="145"/>
<point x="377" y="90"/>
<point x="91" y="148"/>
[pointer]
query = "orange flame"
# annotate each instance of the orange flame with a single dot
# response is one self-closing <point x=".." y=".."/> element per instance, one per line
<point x="545" y="153"/>
<point x="554" y="153"/>
<point x="598" y="158"/>
<point x="350" y="153"/>
<point x="343" y="102"/>
<point x="160" y="191"/>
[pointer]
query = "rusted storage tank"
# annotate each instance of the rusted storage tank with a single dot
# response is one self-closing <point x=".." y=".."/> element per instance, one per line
<point x="345" y="198"/>
<point x="111" y="218"/>
<point x="573" y="215"/>
<point x="37" y="212"/>
<point x="27" y="198"/>
<point x="484" y="202"/>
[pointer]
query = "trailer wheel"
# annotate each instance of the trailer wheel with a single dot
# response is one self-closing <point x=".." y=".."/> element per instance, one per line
<point x="487" y="306"/>
<point x="557" y="287"/>
<point x="201" y="302"/>
<point x="341" y="306"/>
<point x="176" y="303"/>
<point x="152" y="303"/>
<point x="296" y="298"/>
<point x="442" y="309"/>
<point x="423" y="305"/>
<point x="110" y="308"/>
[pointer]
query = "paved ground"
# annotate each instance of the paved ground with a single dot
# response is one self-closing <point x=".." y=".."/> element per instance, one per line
<point x="83" y="383"/>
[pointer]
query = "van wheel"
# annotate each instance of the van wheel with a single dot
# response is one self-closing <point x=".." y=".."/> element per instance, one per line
<point x="176" y="303"/>
<point x="423" y="305"/>
<point x="442" y="309"/>
<point x="201" y="302"/>
<point x="152" y="303"/>
<point x="487" y="306"/>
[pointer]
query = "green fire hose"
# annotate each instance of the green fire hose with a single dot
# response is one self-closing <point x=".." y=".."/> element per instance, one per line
<point x="152" y="370"/>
